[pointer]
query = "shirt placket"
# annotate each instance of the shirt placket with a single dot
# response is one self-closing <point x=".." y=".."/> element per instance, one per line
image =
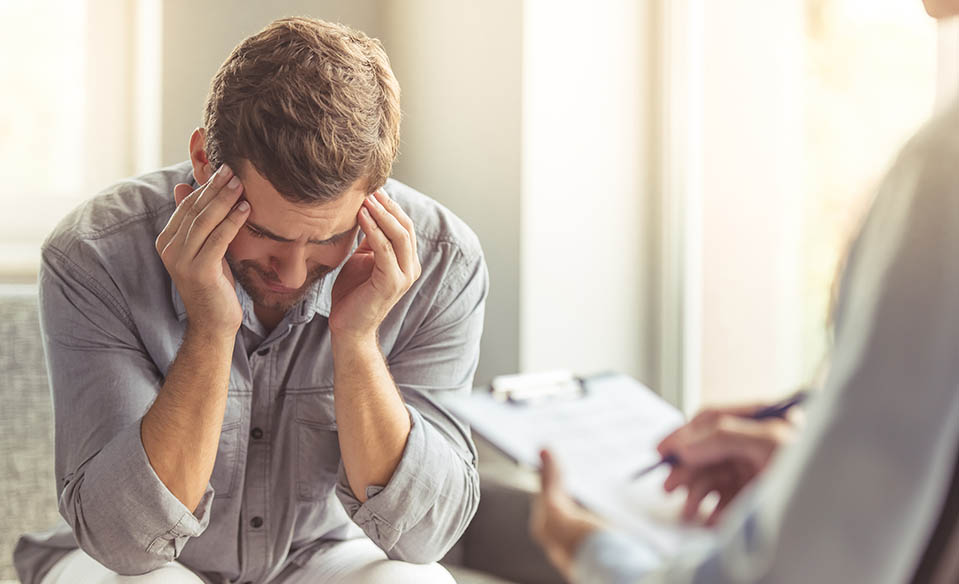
<point x="256" y="516"/>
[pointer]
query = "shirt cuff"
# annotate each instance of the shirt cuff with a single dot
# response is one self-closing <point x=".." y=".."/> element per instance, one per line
<point x="610" y="557"/>
<point x="140" y="495"/>
<point x="393" y="509"/>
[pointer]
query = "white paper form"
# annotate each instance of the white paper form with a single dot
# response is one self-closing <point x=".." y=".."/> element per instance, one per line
<point x="600" y="439"/>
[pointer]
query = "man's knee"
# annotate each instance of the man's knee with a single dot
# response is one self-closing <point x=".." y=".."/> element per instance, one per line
<point x="392" y="571"/>
<point x="168" y="574"/>
<point x="77" y="566"/>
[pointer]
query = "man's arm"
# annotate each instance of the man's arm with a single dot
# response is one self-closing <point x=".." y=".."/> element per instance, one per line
<point x="409" y="477"/>
<point x="371" y="418"/>
<point x="133" y="487"/>
<point x="181" y="431"/>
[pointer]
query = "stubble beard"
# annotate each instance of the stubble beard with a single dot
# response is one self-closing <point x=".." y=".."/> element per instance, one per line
<point x="251" y="275"/>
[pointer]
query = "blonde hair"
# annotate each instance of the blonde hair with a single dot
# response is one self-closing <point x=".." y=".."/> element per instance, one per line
<point x="312" y="105"/>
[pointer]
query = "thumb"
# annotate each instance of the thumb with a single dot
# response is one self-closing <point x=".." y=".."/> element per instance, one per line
<point x="228" y="272"/>
<point x="550" y="475"/>
<point x="364" y="245"/>
<point x="180" y="192"/>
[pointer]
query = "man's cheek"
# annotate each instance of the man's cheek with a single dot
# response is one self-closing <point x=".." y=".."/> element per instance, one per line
<point x="242" y="247"/>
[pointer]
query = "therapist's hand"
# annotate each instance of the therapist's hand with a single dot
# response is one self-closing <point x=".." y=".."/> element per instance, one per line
<point x="721" y="451"/>
<point x="556" y="522"/>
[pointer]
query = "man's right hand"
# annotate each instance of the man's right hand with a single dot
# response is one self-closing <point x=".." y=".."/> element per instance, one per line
<point x="193" y="247"/>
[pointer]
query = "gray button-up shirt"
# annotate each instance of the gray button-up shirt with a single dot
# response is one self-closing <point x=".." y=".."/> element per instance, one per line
<point x="112" y="322"/>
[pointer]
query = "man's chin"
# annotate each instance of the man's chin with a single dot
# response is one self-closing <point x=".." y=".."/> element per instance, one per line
<point x="275" y="300"/>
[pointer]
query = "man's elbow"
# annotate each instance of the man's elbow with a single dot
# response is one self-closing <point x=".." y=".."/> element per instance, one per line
<point x="120" y="546"/>
<point x="128" y="560"/>
<point x="435" y="537"/>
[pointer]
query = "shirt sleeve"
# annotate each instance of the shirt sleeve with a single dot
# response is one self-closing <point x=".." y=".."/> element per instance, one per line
<point x="856" y="498"/>
<point x="102" y="383"/>
<point x="434" y="491"/>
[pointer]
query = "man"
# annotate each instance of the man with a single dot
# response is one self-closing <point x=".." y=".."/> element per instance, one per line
<point x="243" y="348"/>
<point x="869" y="490"/>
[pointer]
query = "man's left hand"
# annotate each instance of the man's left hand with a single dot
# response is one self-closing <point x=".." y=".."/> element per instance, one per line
<point x="381" y="270"/>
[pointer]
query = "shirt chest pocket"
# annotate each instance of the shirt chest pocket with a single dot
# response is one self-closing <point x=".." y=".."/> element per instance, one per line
<point x="226" y="466"/>
<point x="317" y="444"/>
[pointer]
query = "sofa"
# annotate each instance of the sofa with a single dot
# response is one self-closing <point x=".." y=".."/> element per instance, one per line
<point x="495" y="549"/>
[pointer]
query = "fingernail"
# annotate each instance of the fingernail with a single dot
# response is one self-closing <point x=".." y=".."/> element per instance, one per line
<point x="242" y="206"/>
<point x="226" y="170"/>
<point x="365" y="212"/>
<point x="234" y="183"/>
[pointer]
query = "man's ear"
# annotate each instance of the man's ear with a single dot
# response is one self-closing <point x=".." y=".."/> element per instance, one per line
<point x="202" y="169"/>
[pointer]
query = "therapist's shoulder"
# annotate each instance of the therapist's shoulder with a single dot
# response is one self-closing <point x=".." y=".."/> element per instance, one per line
<point x="927" y="167"/>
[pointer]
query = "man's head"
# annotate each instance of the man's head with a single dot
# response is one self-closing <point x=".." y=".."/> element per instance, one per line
<point x="307" y="114"/>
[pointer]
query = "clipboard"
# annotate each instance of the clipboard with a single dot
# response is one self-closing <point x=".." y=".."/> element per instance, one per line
<point x="601" y="428"/>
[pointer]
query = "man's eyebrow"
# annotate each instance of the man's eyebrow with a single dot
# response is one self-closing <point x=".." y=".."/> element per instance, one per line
<point x="328" y="241"/>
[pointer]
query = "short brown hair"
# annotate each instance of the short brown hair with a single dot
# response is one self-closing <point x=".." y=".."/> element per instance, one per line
<point x="314" y="107"/>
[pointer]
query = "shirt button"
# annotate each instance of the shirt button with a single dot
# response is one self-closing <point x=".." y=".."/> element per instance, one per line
<point x="263" y="352"/>
<point x="256" y="522"/>
<point x="256" y="433"/>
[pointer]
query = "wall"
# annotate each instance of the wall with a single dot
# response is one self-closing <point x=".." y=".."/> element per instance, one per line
<point x="751" y="198"/>
<point x="459" y="66"/>
<point x="588" y="199"/>
<point x="197" y="38"/>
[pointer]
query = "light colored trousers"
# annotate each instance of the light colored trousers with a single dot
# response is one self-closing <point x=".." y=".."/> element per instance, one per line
<point x="350" y="562"/>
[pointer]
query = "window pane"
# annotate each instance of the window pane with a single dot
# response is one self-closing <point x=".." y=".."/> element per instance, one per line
<point x="41" y="119"/>
<point x="870" y="82"/>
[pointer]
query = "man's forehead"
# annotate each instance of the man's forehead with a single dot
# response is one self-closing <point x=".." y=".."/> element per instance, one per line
<point x="287" y="220"/>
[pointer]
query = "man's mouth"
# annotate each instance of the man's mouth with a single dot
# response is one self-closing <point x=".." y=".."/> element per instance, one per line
<point x="276" y="286"/>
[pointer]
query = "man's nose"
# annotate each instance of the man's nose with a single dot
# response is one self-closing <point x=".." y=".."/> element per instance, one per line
<point x="291" y="267"/>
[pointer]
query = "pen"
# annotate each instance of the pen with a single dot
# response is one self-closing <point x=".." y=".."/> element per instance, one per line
<point x="777" y="410"/>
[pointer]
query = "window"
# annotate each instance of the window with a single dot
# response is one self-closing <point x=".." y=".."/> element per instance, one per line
<point x="75" y="113"/>
<point x="804" y="105"/>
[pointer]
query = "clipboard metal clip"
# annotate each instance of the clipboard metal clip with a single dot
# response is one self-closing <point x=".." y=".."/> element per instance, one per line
<point x="528" y="389"/>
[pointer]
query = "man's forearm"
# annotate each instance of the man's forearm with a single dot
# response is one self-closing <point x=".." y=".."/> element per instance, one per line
<point x="181" y="431"/>
<point x="372" y="420"/>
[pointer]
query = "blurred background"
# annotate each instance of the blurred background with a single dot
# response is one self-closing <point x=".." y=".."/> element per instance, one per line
<point x="662" y="187"/>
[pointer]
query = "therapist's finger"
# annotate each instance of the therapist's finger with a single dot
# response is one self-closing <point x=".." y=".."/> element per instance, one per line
<point x="550" y="475"/>
<point x="697" y="491"/>
<point x="677" y="477"/>
<point x="703" y="421"/>
<point x="739" y="475"/>
<point x="735" y="438"/>
<point x="726" y="496"/>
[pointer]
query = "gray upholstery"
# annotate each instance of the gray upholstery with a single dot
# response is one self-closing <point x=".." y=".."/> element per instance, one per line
<point x="495" y="549"/>
<point x="28" y="499"/>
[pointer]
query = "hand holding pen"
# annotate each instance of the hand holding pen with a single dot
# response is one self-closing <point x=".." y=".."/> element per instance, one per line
<point x="722" y="450"/>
